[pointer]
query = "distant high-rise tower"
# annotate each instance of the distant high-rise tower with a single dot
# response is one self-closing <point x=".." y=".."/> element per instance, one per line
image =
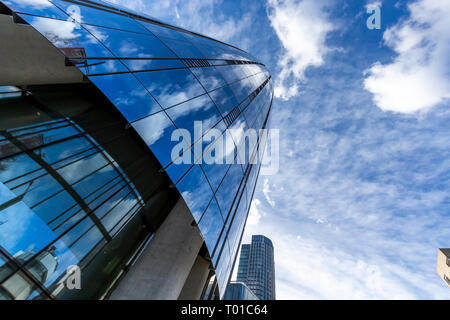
<point x="443" y="265"/>
<point x="257" y="268"/>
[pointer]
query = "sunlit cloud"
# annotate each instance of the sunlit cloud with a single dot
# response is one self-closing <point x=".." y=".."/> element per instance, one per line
<point x="418" y="77"/>
<point x="302" y="27"/>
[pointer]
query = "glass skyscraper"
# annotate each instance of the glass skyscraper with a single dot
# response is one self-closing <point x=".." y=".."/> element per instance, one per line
<point x="257" y="268"/>
<point x="239" y="291"/>
<point x="90" y="96"/>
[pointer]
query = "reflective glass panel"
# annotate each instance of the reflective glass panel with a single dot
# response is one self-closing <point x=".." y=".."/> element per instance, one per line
<point x="76" y="44"/>
<point x="156" y="130"/>
<point x="242" y="89"/>
<point x="18" y="287"/>
<point x="224" y="99"/>
<point x="209" y="78"/>
<point x="196" y="191"/>
<point x="5" y="270"/>
<point x="231" y="73"/>
<point x="22" y="228"/>
<point x="227" y="190"/>
<point x="42" y="8"/>
<point x="84" y="14"/>
<point x="222" y="267"/>
<point x="135" y="45"/>
<point x="200" y="109"/>
<point x="172" y="86"/>
<point x="128" y="95"/>
<point x="183" y="49"/>
<point x="211" y="224"/>
<point x="164" y="32"/>
<point x="51" y="263"/>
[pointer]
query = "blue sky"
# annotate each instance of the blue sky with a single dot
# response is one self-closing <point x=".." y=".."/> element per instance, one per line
<point x="361" y="202"/>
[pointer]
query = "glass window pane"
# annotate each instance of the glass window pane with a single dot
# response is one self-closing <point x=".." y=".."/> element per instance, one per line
<point x="184" y="49"/>
<point x="42" y="8"/>
<point x="209" y="78"/>
<point x="215" y="173"/>
<point x="128" y="95"/>
<point x="200" y="109"/>
<point x="21" y="229"/>
<point x="231" y="73"/>
<point x="244" y="140"/>
<point x="76" y="44"/>
<point x="135" y="45"/>
<point x="211" y="225"/>
<point x="242" y="89"/>
<point x="172" y="86"/>
<point x="156" y="130"/>
<point x="212" y="52"/>
<point x="18" y="287"/>
<point x="195" y="190"/>
<point x="5" y="269"/>
<point x="116" y="208"/>
<point x="227" y="190"/>
<point x="224" y="99"/>
<point x="51" y="262"/>
<point x="237" y="226"/>
<point x="222" y="266"/>
<point x="101" y="17"/>
<point x="164" y="32"/>
<point x="215" y="158"/>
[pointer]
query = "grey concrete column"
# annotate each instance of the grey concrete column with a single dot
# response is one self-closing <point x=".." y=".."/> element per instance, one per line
<point x="29" y="58"/>
<point x="162" y="269"/>
<point x="193" y="287"/>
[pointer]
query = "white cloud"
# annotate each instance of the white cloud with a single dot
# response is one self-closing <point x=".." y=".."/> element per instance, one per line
<point x="32" y="3"/>
<point x="254" y="214"/>
<point x="317" y="272"/>
<point x="371" y="4"/>
<point x="195" y="15"/>
<point x="266" y="192"/>
<point x="302" y="27"/>
<point x="364" y="192"/>
<point x="418" y="78"/>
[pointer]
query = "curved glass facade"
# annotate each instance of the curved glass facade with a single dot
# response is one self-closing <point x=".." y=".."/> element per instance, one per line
<point x="159" y="78"/>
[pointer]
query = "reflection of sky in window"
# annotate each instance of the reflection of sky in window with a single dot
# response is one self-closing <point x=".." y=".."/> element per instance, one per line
<point x="38" y="7"/>
<point x="211" y="224"/>
<point x="9" y="92"/>
<point x="23" y="229"/>
<point x="172" y="86"/>
<point x="195" y="182"/>
<point x="66" y="34"/>
<point x="136" y="45"/>
<point x="128" y="95"/>
<point x="100" y="17"/>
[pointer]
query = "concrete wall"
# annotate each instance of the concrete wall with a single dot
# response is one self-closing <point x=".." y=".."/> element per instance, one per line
<point x="161" y="271"/>
<point x="196" y="280"/>
<point x="30" y="59"/>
